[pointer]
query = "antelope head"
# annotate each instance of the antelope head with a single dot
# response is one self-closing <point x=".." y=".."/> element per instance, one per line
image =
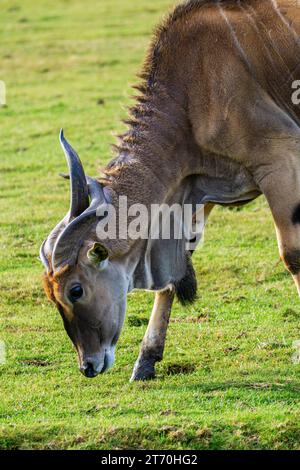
<point x="87" y="284"/>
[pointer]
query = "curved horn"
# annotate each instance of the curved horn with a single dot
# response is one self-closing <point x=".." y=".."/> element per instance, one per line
<point x="71" y="239"/>
<point x="96" y="193"/>
<point x="79" y="200"/>
<point x="94" y="187"/>
<point x="44" y="257"/>
<point x="47" y="246"/>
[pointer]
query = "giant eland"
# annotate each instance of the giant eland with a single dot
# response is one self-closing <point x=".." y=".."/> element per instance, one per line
<point x="214" y="122"/>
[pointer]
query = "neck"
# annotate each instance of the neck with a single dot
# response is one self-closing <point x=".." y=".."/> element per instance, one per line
<point x="153" y="161"/>
<point x="152" y="152"/>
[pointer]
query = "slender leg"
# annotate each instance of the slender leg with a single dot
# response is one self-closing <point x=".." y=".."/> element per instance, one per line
<point x="282" y="190"/>
<point x="154" y="341"/>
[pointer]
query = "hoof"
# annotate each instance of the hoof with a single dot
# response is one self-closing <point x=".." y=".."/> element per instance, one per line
<point x="143" y="370"/>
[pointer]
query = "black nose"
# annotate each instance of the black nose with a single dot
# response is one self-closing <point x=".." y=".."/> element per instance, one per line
<point x="89" y="371"/>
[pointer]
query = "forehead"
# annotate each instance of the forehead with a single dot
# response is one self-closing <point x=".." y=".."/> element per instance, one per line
<point x="54" y="283"/>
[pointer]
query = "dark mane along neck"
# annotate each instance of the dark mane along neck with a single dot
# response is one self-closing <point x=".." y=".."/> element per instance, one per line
<point x="147" y="151"/>
<point x="154" y="122"/>
<point x="158" y="120"/>
<point x="159" y="129"/>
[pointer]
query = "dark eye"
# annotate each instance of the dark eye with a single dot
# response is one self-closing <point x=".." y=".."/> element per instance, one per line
<point x="76" y="293"/>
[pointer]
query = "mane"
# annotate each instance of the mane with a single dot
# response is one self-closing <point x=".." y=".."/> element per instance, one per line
<point x="140" y="114"/>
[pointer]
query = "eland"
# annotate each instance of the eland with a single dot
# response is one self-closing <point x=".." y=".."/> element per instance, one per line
<point x="215" y="122"/>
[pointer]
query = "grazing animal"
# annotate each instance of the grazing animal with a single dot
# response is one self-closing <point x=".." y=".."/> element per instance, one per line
<point x="214" y="122"/>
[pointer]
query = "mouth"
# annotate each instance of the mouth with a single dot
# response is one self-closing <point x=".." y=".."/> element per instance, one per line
<point x="90" y="370"/>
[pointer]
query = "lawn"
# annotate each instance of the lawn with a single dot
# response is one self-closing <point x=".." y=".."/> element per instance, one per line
<point x="228" y="380"/>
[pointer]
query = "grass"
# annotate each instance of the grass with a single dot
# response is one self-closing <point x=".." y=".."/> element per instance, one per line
<point x="228" y="380"/>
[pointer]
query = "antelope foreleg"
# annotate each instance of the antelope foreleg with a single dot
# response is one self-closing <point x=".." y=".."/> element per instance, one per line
<point x="282" y="189"/>
<point x="154" y="340"/>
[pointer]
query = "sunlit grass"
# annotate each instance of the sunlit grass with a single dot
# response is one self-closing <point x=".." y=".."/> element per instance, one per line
<point x="228" y="380"/>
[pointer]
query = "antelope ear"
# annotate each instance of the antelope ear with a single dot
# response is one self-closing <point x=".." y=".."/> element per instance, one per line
<point x="98" y="255"/>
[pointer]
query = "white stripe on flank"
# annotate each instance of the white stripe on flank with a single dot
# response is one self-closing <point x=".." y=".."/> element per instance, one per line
<point x="233" y="33"/>
<point x="283" y="19"/>
<point x="252" y="20"/>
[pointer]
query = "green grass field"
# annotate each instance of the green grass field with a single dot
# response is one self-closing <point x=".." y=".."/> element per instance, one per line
<point x="228" y="380"/>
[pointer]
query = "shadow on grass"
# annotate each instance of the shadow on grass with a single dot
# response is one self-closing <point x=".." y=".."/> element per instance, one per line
<point x="289" y="389"/>
<point x="36" y="438"/>
<point x="248" y="432"/>
<point x="219" y="435"/>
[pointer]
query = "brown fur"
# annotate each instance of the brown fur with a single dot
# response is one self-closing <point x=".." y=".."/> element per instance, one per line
<point x="176" y="108"/>
<point x="162" y="117"/>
